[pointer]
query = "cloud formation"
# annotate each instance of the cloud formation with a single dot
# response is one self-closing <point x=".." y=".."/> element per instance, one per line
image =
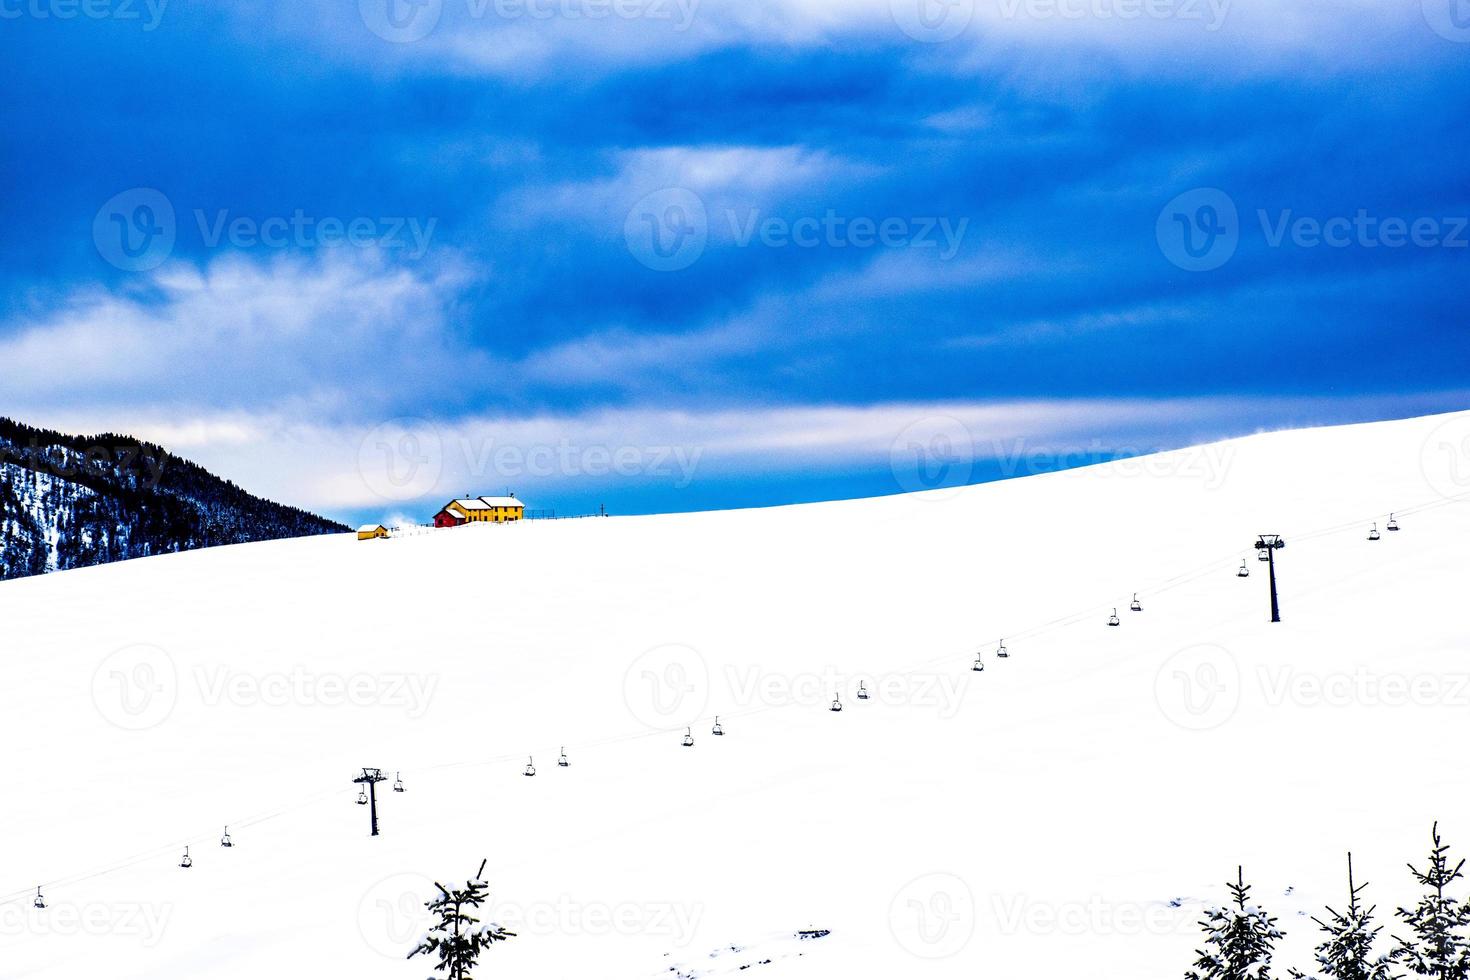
<point x="772" y="231"/>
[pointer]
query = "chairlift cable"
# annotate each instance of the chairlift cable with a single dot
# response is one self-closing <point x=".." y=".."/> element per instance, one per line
<point x="1179" y="580"/>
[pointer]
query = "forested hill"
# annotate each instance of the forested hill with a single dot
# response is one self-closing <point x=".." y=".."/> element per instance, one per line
<point x="70" y="501"/>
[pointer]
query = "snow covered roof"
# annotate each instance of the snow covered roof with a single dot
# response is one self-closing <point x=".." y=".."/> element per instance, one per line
<point x="502" y="502"/>
<point x="483" y="503"/>
<point x="367" y="528"/>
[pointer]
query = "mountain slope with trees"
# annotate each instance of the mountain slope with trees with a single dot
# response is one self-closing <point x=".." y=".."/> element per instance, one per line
<point x="71" y="501"/>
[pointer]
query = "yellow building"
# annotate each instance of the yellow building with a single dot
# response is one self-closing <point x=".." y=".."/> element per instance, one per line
<point x="493" y="510"/>
<point x="370" y="531"/>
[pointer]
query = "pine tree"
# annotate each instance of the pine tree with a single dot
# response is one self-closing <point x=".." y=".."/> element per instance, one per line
<point x="1439" y="947"/>
<point x="458" y="937"/>
<point x="1239" y="940"/>
<point x="1347" y="954"/>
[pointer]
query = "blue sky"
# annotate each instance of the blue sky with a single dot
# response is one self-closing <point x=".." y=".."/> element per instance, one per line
<point x="677" y="254"/>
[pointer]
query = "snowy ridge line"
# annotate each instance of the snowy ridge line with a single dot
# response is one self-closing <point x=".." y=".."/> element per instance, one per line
<point x="1050" y="626"/>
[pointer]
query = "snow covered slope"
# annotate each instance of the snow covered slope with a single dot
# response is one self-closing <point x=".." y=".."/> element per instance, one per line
<point x="1063" y="814"/>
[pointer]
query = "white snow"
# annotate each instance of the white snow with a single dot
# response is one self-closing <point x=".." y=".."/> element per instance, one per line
<point x="1034" y="820"/>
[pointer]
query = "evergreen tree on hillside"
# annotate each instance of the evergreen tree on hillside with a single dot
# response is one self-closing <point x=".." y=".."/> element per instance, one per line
<point x="1347" y="953"/>
<point x="458" y="938"/>
<point x="1439" y="947"/>
<point x="1239" y="939"/>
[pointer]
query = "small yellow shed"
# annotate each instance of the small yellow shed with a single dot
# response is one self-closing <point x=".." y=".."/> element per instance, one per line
<point x="370" y="531"/>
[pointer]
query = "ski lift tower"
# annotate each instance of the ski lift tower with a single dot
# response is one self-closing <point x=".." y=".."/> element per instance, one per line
<point x="1268" y="544"/>
<point x="371" y="778"/>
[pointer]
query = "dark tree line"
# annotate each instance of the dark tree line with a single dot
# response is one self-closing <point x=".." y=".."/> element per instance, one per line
<point x="73" y="501"/>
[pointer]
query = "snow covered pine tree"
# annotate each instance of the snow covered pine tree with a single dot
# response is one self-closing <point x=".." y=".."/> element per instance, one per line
<point x="459" y="937"/>
<point x="1347" y="954"/>
<point x="1239" y="941"/>
<point x="1439" y="947"/>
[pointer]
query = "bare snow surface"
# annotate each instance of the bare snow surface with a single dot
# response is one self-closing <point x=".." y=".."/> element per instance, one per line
<point x="1065" y="813"/>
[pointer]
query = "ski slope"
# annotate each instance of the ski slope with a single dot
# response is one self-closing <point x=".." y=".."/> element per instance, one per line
<point x="1064" y="813"/>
